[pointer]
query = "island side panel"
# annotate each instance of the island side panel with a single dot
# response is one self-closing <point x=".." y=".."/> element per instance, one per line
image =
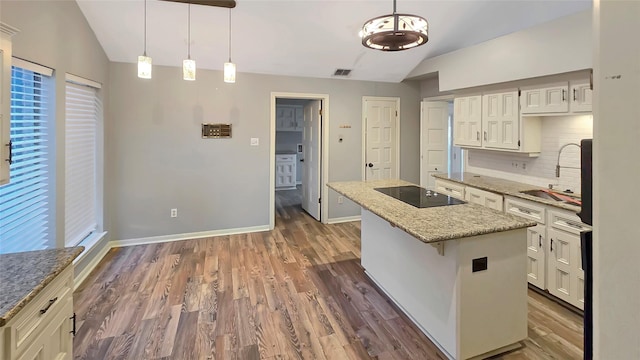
<point x="415" y="277"/>
<point x="493" y="303"/>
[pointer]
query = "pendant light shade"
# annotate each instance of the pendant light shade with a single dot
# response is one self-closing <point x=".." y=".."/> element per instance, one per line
<point x="144" y="61"/>
<point x="395" y="32"/>
<point x="229" y="72"/>
<point x="188" y="65"/>
<point x="229" y="67"/>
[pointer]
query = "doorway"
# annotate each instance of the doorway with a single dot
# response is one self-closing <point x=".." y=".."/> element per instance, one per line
<point x="380" y="138"/>
<point x="299" y="154"/>
<point x="438" y="154"/>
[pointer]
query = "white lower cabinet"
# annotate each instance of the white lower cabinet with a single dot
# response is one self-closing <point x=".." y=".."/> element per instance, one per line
<point x="286" y="172"/>
<point x="484" y="198"/>
<point x="43" y="329"/>
<point x="554" y="260"/>
<point x="450" y="188"/>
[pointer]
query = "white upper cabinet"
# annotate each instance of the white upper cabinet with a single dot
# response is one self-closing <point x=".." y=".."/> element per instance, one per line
<point x="500" y="121"/>
<point x="467" y="117"/>
<point x="581" y="96"/>
<point x="545" y="100"/>
<point x="289" y="118"/>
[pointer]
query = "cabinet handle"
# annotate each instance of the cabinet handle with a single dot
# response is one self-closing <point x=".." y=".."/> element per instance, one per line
<point x="10" y="145"/>
<point x="564" y="96"/>
<point x="73" y="331"/>
<point x="485" y="136"/>
<point x="525" y="211"/>
<point x="478" y="135"/>
<point x="539" y="240"/>
<point x="51" y="302"/>
<point x="448" y="189"/>
<point x="551" y="244"/>
<point x="574" y="95"/>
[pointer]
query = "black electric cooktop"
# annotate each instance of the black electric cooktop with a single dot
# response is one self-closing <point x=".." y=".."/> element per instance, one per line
<point x="419" y="197"/>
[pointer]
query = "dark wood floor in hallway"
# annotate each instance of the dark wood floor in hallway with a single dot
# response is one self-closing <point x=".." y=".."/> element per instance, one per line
<point x="297" y="292"/>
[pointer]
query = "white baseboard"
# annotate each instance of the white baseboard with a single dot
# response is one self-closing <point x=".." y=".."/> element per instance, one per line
<point x="187" y="236"/>
<point x="343" y="219"/>
<point x="100" y="248"/>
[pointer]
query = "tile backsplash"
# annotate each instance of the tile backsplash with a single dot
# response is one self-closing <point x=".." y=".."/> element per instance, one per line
<point x="556" y="132"/>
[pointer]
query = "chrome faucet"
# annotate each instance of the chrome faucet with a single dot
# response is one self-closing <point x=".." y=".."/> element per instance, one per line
<point x="558" y="163"/>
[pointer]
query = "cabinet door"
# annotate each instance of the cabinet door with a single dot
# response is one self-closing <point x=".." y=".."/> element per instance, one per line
<point x="299" y="120"/>
<point x="536" y="256"/>
<point x="285" y="118"/>
<point x="545" y="100"/>
<point x="493" y="201"/>
<point x="467" y="121"/>
<point x="5" y="105"/>
<point x="563" y="265"/>
<point x="57" y="335"/>
<point x="473" y="196"/>
<point x="581" y="97"/>
<point x="450" y="188"/>
<point x="501" y="121"/>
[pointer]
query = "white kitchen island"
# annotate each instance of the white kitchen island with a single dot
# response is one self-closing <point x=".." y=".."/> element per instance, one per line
<point x="424" y="260"/>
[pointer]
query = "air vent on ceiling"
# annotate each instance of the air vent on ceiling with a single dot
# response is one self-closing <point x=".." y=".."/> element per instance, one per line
<point x="342" y="72"/>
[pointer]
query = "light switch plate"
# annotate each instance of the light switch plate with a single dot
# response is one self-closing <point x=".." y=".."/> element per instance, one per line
<point x="255" y="141"/>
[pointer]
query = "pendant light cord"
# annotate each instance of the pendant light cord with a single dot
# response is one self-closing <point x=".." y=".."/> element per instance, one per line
<point x="145" y="27"/>
<point x="229" y="34"/>
<point x="189" y="36"/>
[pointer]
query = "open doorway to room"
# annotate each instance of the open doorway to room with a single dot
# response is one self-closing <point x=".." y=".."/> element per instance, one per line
<point x="438" y="154"/>
<point x="298" y="154"/>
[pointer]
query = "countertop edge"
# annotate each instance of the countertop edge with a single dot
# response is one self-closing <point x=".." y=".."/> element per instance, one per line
<point x="435" y="239"/>
<point x="11" y="313"/>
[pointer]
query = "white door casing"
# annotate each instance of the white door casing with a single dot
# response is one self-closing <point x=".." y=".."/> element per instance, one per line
<point x="380" y="138"/>
<point x="434" y="134"/>
<point x="311" y="178"/>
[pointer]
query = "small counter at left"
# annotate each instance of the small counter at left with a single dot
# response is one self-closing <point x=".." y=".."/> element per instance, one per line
<point x="36" y="304"/>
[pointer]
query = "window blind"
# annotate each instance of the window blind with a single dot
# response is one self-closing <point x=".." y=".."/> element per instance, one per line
<point x="83" y="112"/>
<point x="24" y="201"/>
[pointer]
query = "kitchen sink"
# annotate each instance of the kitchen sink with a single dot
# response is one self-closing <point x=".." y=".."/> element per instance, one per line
<point x="550" y="195"/>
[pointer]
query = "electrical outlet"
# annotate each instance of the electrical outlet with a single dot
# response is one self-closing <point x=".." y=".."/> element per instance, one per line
<point x="524" y="166"/>
<point x="174" y="213"/>
<point x="340" y="199"/>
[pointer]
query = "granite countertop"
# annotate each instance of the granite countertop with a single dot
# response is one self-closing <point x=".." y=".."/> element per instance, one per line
<point x="23" y="275"/>
<point x="504" y="187"/>
<point x="433" y="224"/>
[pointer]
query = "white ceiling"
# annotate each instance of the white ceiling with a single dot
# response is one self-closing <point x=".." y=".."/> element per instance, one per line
<point x="303" y="37"/>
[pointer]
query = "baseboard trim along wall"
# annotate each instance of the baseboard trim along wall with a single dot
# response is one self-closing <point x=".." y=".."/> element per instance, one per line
<point x="84" y="264"/>
<point x="343" y="219"/>
<point x="101" y="252"/>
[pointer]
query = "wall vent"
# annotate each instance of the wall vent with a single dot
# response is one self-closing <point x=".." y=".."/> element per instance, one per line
<point x="342" y="72"/>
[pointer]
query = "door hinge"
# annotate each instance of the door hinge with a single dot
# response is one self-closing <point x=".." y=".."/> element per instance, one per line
<point x="519" y="92"/>
<point x="319" y="200"/>
<point x="320" y="112"/>
<point x="518" y="143"/>
<point x="396" y="113"/>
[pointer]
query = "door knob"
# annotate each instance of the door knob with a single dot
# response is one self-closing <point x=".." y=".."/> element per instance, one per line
<point x="369" y="165"/>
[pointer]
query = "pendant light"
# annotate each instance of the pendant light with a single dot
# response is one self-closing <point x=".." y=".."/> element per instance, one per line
<point x="395" y="32"/>
<point x="229" y="67"/>
<point x="144" y="61"/>
<point x="188" y="65"/>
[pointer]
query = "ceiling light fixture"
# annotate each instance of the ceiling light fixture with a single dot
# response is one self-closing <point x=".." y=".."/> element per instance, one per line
<point x="395" y="32"/>
<point x="188" y="65"/>
<point x="144" y="61"/>
<point x="229" y="67"/>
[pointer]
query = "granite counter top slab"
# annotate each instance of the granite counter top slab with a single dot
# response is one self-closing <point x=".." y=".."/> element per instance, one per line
<point x="433" y="224"/>
<point x="23" y="275"/>
<point x="504" y="187"/>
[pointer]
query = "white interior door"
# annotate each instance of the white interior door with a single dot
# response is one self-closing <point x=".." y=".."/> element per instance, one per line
<point x="434" y="140"/>
<point x="380" y="139"/>
<point x="311" y="154"/>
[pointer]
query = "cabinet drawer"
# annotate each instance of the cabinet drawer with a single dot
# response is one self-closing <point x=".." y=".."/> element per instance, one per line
<point x="450" y="188"/>
<point x="26" y="324"/>
<point x="567" y="221"/>
<point x="525" y="209"/>
<point x="285" y="158"/>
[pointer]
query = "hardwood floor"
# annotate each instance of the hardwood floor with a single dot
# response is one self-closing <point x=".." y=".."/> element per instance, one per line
<point x="297" y="292"/>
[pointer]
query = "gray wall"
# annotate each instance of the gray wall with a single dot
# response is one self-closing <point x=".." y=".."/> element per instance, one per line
<point x="616" y="176"/>
<point x="55" y="34"/>
<point x="158" y="160"/>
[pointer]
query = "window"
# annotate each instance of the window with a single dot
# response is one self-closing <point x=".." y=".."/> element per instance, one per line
<point x="83" y="117"/>
<point x="25" y="222"/>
